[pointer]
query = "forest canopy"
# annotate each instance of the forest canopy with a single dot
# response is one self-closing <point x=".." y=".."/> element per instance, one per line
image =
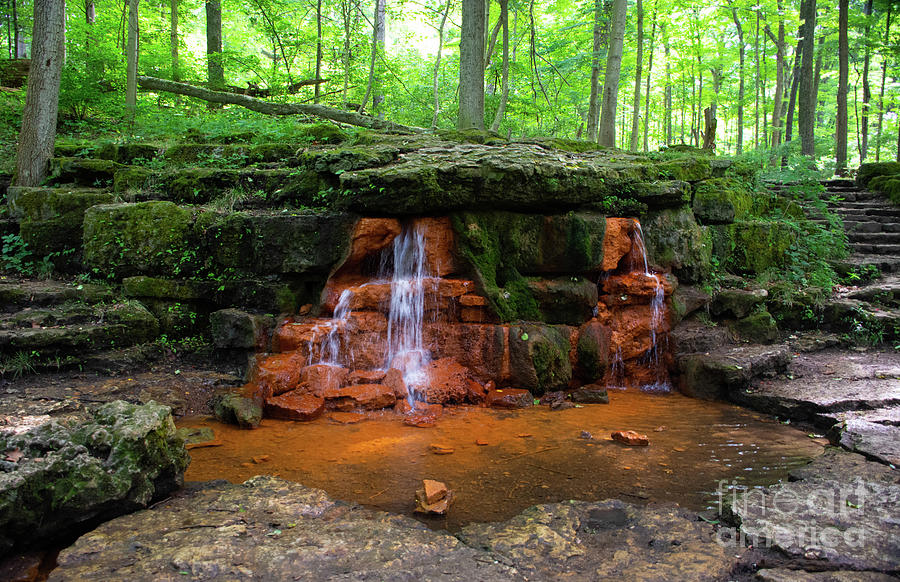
<point x="683" y="64"/>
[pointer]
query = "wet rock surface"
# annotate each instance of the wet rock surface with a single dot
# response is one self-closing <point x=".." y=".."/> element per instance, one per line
<point x="839" y="514"/>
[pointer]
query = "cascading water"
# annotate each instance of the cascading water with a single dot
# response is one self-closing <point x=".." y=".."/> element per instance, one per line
<point x="409" y="285"/>
<point x="328" y="351"/>
<point x="657" y="313"/>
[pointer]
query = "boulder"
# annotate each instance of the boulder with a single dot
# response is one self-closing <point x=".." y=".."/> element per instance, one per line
<point x="568" y="300"/>
<point x="630" y="437"/>
<point x="366" y="396"/>
<point x="295" y="405"/>
<point x="448" y="382"/>
<point x="239" y="410"/>
<point x="721" y="200"/>
<point x="509" y="398"/>
<point x="737" y="302"/>
<point x="67" y="478"/>
<point x="279" y="373"/>
<point x="539" y="357"/>
<point x="676" y="242"/>
<point x="759" y="327"/>
<point x="728" y="370"/>
<point x="590" y="394"/>
<point x="592" y="351"/>
<point x="233" y="328"/>
<point x="320" y="378"/>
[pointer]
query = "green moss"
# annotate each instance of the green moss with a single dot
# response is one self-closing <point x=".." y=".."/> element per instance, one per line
<point x="721" y="200"/>
<point x="326" y="133"/>
<point x="871" y="170"/>
<point x="539" y="358"/>
<point x="478" y="136"/>
<point x="687" y="169"/>
<point x="888" y="185"/>
<point x="131" y="178"/>
<point x="759" y="327"/>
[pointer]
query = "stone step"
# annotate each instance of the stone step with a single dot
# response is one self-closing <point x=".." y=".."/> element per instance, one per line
<point x="16" y="295"/>
<point x="880" y="238"/>
<point x="83" y="172"/>
<point x="871" y="226"/>
<point x="44" y="203"/>
<point x="71" y="313"/>
<point x="884" y="263"/>
<point x="862" y="204"/>
<point x="110" y="326"/>
<point x="838" y="182"/>
<point x="893" y="213"/>
<point x="878" y="249"/>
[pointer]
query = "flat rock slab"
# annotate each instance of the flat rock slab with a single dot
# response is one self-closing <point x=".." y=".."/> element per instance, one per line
<point x="271" y="529"/>
<point x="880" y="442"/>
<point x="842" y="514"/>
<point x="785" y="575"/>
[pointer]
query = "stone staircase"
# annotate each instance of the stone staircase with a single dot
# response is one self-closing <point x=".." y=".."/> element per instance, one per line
<point x="872" y="224"/>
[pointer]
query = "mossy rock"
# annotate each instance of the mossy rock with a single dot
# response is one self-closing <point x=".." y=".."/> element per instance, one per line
<point x="236" y="329"/>
<point x="325" y="133"/>
<point x="474" y="136"/>
<point x="127" y="153"/>
<point x="146" y="238"/>
<point x="567" y="300"/>
<point x="592" y="351"/>
<point x="72" y="476"/>
<point x="345" y="159"/>
<point x="887" y="185"/>
<point x="721" y="201"/>
<point x="501" y="248"/>
<point x="868" y="171"/>
<point x="84" y="172"/>
<point x="239" y="410"/>
<point x="143" y="287"/>
<point x="130" y="178"/>
<point x="687" y="169"/>
<point x="759" y="327"/>
<point x="180" y="319"/>
<point x="676" y="242"/>
<point x="752" y="246"/>
<point x="539" y="358"/>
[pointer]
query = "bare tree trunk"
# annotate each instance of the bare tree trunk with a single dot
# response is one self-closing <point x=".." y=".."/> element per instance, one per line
<point x="887" y="38"/>
<point x="173" y="38"/>
<point x="437" y="65"/>
<point x="647" y="92"/>
<point x="214" y="66"/>
<point x="807" y="100"/>
<point x="840" y="148"/>
<point x="471" y="66"/>
<point x="35" y="147"/>
<point x="792" y="99"/>
<point x="132" y="56"/>
<point x="699" y="48"/>
<point x="492" y="39"/>
<point x="318" y="88"/>
<point x="377" y="28"/>
<point x="740" y="108"/>
<point x="780" y="50"/>
<point x="607" y="129"/>
<point x="9" y="27"/>
<point x="501" y="109"/>
<point x="757" y="84"/>
<point x="270" y="108"/>
<point x="667" y="96"/>
<point x="594" y="103"/>
<point x="765" y="111"/>
<point x="636" y="102"/>
<point x="380" y="34"/>
<point x="19" y="47"/>
<point x="867" y="90"/>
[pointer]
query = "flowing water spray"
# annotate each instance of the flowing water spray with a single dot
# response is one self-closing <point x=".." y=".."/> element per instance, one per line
<point x="657" y="313"/>
<point x="410" y="282"/>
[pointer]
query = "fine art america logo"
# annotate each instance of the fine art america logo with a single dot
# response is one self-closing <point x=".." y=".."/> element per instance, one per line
<point x="813" y="520"/>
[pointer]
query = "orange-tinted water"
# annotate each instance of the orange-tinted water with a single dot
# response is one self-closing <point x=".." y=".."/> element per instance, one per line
<point x="531" y="456"/>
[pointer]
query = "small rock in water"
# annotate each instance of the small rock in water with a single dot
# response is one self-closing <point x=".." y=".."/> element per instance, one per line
<point x="261" y="459"/>
<point x="591" y="394"/>
<point x="434" y="498"/>
<point x="440" y="449"/>
<point x="509" y="398"/>
<point x="629" y="437"/>
<point x="481" y="442"/>
<point x="660" y="428"/>
<point x="586" y="435"/>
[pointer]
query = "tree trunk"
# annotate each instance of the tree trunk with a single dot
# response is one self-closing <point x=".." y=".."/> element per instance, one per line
<point x="501" y="109"/>
<point x="36" y="139"/>
<point x="471" y="66"/>
<point x="317" y="92"/>
<point x="667" y="94"/>
<point x="699" y="47"/>
<point x="377" y="29"/>
<point x="269" y="108"/>
<point x="840" y="148"/>
<point x="867" y="90"/>
<point x="756" y="85"/>
<point x="807" y="100"/>
<point x="792" y="99"/>
<point x="740" y="108"/>
<point x="214" y="66"/>
<point x="765" y="111"/>
<point x="19" y="46"/>
<point x="647" y="92"/>
<point x="173" y="38"/>
<point x="636" y="102"/>
<point x="380" y="34"/>
<point x="131" y="65"/>
<point x="607" y="129"/>
<point x="437" y="66"/>
<point x="779" y="76"/>
<point x="887" y="38"/>
<point x="709" y="133"/>
<point x="492" y="39"/>
<point x="594" y="103"/>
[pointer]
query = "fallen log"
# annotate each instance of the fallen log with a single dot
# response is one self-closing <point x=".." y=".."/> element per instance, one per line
<point x="269" y="108"/>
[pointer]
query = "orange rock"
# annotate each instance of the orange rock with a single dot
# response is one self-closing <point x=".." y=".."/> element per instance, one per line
<point x="279" y="373"/>
<point x="634" y="287"/>
<point x="292" y="336"/>
<point x="367" y="321"/>
<point x="629" y="437"/>
<point x="366" y="377"/>
<point x="439" y="449"/>
<point x="474" y="315"/>
<point x="434" y="490"/>
<point x="439" y="507"/>
<point x="295" y="406"/>
<point x="476" y="392"/>
<point x="617" y="241"/>
<point x="481" y="442"/>
<point x="393" y="379"/>
<point x="473" y="301"/>
<point x="440" y="245"/>
<point x="370" y="236"/>
<point x="319" y="378"/>
<point x="509" y="398"/>
<point x="367" y="396"/>
<point x="447" y="382"/>
<point x="346" y="417"/>
<point x="478" y="347"/>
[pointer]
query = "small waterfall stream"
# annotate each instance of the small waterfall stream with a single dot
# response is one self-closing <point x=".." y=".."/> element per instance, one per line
<point x="657" y="313"/>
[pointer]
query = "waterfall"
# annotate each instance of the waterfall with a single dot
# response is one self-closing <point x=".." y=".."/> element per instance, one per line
<point x="409" y="282"/>
<point x="657" y="313"/>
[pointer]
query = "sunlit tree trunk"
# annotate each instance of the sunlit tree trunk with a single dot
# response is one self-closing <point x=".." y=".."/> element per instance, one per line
<point x="132" y="61"/>
<point x="607" y="128"/>
<point x="214" y="66"/>
<point x="377" y="40"/>
<point x="318" y="87"/>
<point x="471" y="66"/>
<point x="739" y="148"/>
<point x="437" y="66"/>
<point x="807" y="99"/>
<point x="887" y="37"/>
<point x="594" y="103"/>
<point x="758" y="58"/>
<point x="777" y="101"/>
<point x="636" y="101"/>
<point x="840" y="148"/>
<point x="867" y="90"/>
<point x="35" y="146"/>
<point x="667" y="94"/>
<point x="501" y="108"/>
<point x="699" y="49"/>
<point x="647" y="92"/>
<point x="792" y="99"/>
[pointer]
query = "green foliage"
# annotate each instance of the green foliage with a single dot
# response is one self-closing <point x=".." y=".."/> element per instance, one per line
<point x="19" y="364"/>
<point x="15" y="256"/>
